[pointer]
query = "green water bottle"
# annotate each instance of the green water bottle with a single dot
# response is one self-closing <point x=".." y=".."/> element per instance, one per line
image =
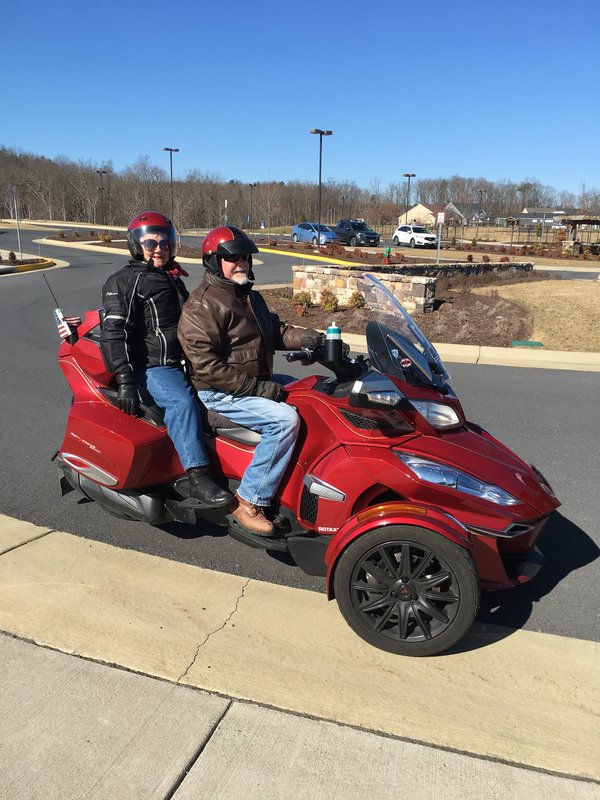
<point x="333" y="343"/>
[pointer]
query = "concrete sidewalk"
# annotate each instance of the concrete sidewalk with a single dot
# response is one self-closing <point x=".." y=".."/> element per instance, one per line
<point x="130" y="676"/>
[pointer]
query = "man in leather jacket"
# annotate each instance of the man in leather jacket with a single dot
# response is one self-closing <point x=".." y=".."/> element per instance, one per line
<point x="142" y="304"/>
<point x="229" y="336"/>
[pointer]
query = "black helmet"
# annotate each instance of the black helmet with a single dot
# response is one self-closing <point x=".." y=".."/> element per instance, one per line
<point x="223" y="241"/>
<point x="150" y="222"/>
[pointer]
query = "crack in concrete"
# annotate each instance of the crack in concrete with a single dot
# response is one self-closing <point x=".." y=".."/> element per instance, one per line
<point x="26" y="542"/>
<point x="212" y="633"/>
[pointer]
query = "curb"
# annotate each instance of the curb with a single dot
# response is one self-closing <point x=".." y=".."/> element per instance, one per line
<point x="500" y="356"/>
<point x="46" y="264"/>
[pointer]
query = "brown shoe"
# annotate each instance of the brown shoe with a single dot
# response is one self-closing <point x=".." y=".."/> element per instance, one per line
<point x="251" y="517"/>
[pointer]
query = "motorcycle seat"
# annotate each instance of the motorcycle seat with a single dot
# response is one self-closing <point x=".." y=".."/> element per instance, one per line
<point x="218" y="425"/>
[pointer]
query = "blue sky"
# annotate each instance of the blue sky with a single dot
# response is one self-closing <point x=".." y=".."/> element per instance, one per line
<point x="505" y="90"/>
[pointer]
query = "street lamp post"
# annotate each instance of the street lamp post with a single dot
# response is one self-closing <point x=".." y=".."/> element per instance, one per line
<point x="251" y="220"/>
<point x="321" y="135"/>
<point x="408" y="175"/>
<point x="101" y="172"/>
<point x="171" y="150"/>
<point x="481" y="193"/>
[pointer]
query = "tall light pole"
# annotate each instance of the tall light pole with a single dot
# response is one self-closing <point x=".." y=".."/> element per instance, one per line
<point x="251" y="220"/>
<point x="101" y="172"/>
<point x="171" y="150"/>
<point x="321" y="135"/>
<point x="481" y="193"/>
<point x="408" y="175"/>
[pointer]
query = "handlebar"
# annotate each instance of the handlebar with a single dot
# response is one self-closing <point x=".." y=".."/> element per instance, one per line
<point x="304" y="356"/>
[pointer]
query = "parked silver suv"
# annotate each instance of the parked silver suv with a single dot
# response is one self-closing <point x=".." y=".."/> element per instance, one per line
<point x="415" y="236"/>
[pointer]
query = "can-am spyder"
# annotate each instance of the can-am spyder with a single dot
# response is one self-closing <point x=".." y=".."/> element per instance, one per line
<point x="404" y="506"/>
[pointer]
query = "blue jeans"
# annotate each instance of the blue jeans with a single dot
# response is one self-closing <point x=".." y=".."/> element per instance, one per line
<point x="172" y="392"/>
<point x="278" y="426"/>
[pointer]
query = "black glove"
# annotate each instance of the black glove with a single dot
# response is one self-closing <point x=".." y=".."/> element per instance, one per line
<point x="312" y="339"/>
<point x="127" y="394"/>
<point x="270" y="390"/>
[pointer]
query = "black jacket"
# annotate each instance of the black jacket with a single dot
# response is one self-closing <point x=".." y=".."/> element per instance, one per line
<point x="142" y="305"/>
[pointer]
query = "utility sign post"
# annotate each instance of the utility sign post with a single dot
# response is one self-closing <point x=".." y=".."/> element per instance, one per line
<point x="441" y="218"/>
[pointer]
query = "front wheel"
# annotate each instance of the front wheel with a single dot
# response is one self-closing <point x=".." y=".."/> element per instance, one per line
<point x="396" y="241"/>
<point x="413" y="243"/>
<point x="407" y="590"/>
<point x="353" y="241"/>
<point x="314" y="240"/>
<point x="295" y="237"/>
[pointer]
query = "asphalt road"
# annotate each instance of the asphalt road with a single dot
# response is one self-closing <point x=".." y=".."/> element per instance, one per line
<point x="548" y="417"/>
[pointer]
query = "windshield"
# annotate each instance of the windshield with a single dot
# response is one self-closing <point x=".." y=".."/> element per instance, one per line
<point x="420" y="229"/>
<point x="361" y="226"/>
<point x="396" y="344"/>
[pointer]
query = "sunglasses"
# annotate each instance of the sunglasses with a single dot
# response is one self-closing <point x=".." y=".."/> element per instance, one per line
<point x="152" y="244"/>
<point x="235" y="259"/>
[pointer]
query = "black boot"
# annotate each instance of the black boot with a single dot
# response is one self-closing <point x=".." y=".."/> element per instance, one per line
<point x="203" y="488"/>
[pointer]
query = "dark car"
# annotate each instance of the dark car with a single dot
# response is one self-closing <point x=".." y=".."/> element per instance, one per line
<point x="356" y="232"/>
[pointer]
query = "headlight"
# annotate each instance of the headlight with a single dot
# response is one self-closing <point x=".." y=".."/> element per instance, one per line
<point x="439" y="416"/>
<point x="450" y="478"/>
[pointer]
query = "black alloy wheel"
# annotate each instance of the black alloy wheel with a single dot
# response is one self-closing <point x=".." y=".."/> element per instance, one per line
<point x="407" y="590"/>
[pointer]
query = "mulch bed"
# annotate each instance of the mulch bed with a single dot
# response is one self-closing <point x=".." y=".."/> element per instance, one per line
<point x="459" y="316"/>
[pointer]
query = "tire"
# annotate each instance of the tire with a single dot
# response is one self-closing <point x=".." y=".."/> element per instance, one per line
<point x="353" y="241"/>
<point x="295" y="237"/>
<point x="385" y="597"/>
<point x="396" y="241"/>
<point x="413" y="243"/>
<point x="314" y="240"/>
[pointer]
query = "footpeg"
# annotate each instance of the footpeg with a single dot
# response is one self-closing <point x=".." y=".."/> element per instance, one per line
<point x="237" y="531"/>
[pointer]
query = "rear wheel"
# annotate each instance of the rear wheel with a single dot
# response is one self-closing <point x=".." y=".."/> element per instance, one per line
<point x="295" y="237"/>
<point x="353" y="241"/>
<point x="407" y="590"/>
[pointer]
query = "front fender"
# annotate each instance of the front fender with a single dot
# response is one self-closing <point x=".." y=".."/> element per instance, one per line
<point x="392" y="513"/>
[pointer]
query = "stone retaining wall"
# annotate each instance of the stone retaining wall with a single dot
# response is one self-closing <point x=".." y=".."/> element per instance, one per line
<point x="415" y="292"/>
<point x="413" y="285"/>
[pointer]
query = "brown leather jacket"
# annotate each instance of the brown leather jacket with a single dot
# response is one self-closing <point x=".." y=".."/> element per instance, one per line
<point x="229" y="336"/>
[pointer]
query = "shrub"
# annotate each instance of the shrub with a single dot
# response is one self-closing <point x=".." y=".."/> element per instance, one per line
<point x="12" y="257"/>
<point x="491" y="248"/>
<point x="485" y="259"/>
<point x="60" y="235"/>
<point x="502" y="249"/>
<point x="272" y="243"/>
<point x="470" y="258"/>
<point x="105" y="237"/>
<point x="357" y="300"/>
<point x="302" y="302"/>
<point x="504" y="259"/>
<point x="92" y="233"/>
<point x="474" y="242"/>
<point x="75" y="234"/>
<point x="329" y="301"/>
